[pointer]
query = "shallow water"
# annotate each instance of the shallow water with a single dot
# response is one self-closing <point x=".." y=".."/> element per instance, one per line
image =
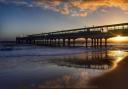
<point x="87" y="69"/>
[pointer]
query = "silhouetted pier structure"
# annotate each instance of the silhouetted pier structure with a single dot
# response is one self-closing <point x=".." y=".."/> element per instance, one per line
<point x="95" y="35"/>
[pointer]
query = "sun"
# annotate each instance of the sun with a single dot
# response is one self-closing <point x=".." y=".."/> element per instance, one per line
<point x="119" y="38"/>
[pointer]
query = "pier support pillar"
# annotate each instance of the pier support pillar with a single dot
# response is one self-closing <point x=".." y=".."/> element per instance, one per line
<point x="42" y="42"/>
<point x="50" y="42"/>
<point x="69" y="42"/>
<point x="58" y="42"/>
<point x="33" y="42"/>
<point x="100" y="42"/>
<point x="45" y="42"/>
<point x="97" y="42"/>
<point x="92" y="43"/>
<point x="74" y="42"/>
<point x="86" y="42"/>
<point x="28" y="41"/>
<point x="105" y="42"/>
<point x="63" y="42"/>
<point x="54" y="42"/>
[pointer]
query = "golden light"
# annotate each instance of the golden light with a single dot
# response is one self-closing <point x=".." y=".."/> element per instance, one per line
<point x="117" y="57"/>
<point x="119" y="38"/>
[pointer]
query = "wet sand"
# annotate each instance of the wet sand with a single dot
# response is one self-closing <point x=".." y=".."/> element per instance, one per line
<point x="115" y="79"/>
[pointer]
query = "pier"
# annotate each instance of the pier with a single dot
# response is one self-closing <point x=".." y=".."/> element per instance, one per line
<point x="95" y="36"/>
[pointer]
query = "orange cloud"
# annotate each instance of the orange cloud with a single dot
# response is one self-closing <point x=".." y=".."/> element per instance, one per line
<point x="75" y="7"/>
<point x="81" y="7"/>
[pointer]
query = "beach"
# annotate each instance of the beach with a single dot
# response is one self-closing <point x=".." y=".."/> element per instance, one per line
<point x="34" y="67"/>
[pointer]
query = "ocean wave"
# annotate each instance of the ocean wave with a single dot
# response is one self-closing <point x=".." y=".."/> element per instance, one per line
<point x="19" y="51"/>
<point x="40" y="51"/>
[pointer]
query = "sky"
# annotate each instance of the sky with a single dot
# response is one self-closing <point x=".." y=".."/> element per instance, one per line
<point x="24" y="17"/>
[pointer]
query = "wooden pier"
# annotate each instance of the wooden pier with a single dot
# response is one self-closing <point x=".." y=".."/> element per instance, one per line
<point x="97" y="36"/>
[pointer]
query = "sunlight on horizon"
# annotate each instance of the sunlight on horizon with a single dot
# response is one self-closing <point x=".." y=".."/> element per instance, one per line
<point x="119" y="38"/>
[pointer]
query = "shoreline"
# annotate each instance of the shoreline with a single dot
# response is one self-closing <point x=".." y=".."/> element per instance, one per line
<point x="47" y="51"/>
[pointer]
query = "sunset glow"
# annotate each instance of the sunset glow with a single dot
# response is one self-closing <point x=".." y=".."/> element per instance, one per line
<point x="119" y="38"/>
<point x="117" y="56"/>
<point x="23" y="17"/>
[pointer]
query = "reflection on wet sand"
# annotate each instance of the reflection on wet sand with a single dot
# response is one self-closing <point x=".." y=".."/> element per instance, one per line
<point x="117" y="56"/>
<point x="68" y="81"/>
<point x="90" y="70"/>
<point x="90" y="60"/>
<point x="117" y="78"/>
<point x="91" y="64"/>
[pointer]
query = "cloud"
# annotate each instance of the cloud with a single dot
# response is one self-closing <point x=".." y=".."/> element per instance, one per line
<point x="72" y="7"/>
<point x="80" y="7"/>
<point x="66" y="7"/>
<point x="17" y="2"/>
